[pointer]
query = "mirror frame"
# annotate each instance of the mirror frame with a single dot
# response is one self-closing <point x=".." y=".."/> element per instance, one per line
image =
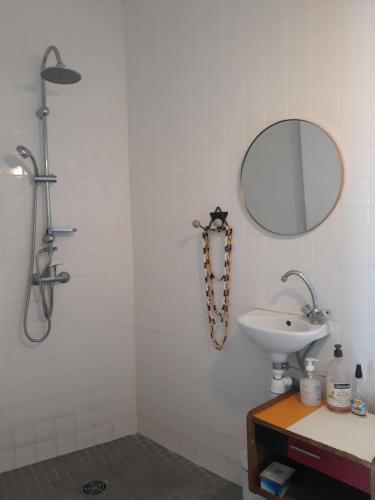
<point x="339" y="193"/>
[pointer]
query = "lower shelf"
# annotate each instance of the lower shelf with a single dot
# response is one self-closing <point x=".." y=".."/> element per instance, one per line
<point x="311" y="485"/>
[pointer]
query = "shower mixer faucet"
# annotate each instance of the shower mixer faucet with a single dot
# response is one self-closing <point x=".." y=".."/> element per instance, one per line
<point x="50" y="276"/>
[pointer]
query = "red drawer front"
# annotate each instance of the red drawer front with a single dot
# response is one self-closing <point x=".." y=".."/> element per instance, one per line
<point x="340" y="468"/>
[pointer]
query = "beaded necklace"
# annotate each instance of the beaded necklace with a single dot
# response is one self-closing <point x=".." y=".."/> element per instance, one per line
<point x="216" y="316"/>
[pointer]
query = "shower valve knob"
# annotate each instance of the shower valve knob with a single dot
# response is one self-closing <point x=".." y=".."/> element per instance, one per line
<point x="63" y="277"/>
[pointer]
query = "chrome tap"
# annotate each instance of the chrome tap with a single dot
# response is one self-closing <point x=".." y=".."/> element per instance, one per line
<point x="314" y="314"/>
<point x="51" y="276"/>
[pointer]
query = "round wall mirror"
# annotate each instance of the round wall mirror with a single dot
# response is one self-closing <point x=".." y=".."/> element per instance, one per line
<point x="291" y="177"/>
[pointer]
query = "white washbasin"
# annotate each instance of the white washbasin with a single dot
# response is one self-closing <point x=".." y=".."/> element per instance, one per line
<point x="280" y="333"/>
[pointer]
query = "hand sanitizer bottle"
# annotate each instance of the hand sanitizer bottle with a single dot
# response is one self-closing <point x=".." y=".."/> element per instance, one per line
<point x="310" y="386"/>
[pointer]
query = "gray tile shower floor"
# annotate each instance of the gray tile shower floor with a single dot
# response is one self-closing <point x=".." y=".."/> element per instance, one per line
<point x="133" y="468"/>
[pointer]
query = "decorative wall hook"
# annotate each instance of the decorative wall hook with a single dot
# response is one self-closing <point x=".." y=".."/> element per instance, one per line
<point x="218" y="221"/>
<point x="197" y="224"/>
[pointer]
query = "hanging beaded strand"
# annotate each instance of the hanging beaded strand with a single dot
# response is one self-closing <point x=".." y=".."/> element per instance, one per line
<point x="222" y="314"/>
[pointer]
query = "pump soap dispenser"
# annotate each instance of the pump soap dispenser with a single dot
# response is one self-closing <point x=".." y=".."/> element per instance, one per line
<point x="339" y="383"/>
<point x="310" y="386"/>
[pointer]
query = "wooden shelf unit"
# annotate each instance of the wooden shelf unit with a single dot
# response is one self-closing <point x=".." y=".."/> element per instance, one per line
<point x="268" y="441"/>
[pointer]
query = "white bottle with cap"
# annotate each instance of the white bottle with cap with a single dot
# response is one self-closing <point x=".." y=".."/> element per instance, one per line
<point x="310" y="387"/>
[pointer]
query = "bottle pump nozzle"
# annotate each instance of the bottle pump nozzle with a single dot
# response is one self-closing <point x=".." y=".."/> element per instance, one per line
<point x="358" y="371"/>
<point x="309" y="364"/>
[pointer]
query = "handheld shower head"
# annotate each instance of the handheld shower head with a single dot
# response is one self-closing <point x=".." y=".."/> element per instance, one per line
<point x="59" y="73"/>
<point x="25" y="153"/>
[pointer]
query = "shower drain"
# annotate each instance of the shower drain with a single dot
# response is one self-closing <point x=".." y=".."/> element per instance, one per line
<point x="94" y="487"/>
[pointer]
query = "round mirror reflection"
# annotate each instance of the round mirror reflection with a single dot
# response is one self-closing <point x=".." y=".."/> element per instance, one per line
<point x="291" y="177"/>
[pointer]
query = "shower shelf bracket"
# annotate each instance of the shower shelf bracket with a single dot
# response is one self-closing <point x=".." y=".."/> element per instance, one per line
<point x="62" y="231"/>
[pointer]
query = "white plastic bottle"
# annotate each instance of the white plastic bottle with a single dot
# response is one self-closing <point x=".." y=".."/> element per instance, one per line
<point x="339" y="383"/>
<point x="310" y="387"/>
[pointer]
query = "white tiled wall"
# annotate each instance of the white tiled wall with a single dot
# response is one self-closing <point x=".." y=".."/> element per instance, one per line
<point x="78" y="387"/>
<point x="203" y="78"/>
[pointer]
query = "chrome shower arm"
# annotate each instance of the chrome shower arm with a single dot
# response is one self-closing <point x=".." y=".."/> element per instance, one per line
<point x="47" y="52"/>
<point x="43" y="110"/>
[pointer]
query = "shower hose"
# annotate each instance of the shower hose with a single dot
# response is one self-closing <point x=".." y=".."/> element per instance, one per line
<point x="47" y="306"/>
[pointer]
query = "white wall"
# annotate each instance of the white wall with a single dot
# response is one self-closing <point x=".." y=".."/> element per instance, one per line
<point x="204" y="77"/>
<point x="78" y="387"/>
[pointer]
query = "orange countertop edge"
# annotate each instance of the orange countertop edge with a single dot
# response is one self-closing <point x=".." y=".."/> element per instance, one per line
<point x="285" y="413"/>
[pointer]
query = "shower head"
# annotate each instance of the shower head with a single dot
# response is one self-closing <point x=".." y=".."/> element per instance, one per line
<point x="25" y="153"/>
<point x="58" y="73"/>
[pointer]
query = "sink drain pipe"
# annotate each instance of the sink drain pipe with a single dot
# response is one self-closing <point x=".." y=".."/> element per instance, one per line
<point x="280" y="384"/>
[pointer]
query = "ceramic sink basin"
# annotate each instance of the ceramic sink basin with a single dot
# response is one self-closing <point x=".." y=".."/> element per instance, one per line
<point x="280" y="332"/>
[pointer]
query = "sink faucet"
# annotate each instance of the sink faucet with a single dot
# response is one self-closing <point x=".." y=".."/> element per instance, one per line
<point x="314" y="314"/>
